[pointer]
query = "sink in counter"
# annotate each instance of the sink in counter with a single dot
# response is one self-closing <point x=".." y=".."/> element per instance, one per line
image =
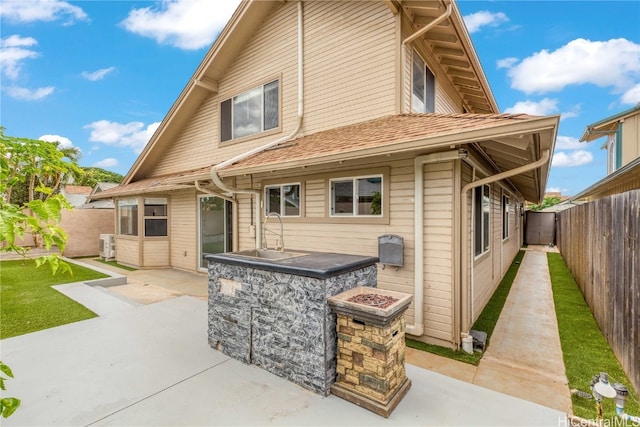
<point x="268" y="254"/>
<point x="273" y="312"/>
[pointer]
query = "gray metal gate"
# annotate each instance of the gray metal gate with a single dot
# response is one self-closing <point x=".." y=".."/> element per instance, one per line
<point x="540" y="228"/>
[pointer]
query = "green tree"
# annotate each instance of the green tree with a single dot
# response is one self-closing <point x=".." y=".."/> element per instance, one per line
<point x="37" y="168"/>
<point x="91" y="176"/>
<point x="8" y="405"/>
<point x="42" y="167"/>
<point x="546" y="202"/>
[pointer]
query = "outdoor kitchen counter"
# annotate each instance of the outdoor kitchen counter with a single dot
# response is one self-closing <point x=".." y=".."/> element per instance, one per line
<point x="274" y="313"/>
<point x="320" y="265"/>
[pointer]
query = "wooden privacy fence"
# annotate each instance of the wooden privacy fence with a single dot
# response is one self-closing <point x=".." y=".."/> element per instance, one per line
<point x="600" y="242"/>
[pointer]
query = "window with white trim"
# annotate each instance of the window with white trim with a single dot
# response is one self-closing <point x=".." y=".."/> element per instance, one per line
<point x="482" y="211"/>
<point x="128" y="217"/>
<point x="251" y="112"/>
<point x="612" y="153"/>
<point x="423" y="88"/>
<point x="356" y="196"/>
<point x="505" y="217"/>
<point x="283" y="199"/>
<point x="155" y="217"/>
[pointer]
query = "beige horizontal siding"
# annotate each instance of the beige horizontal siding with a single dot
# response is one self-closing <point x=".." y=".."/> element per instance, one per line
<point x="438" y="249"/>
<point x="349" y="63"/>
<point x="156" y="253"/>
<point x="183" y="207"/>
<point x="127" y="252"/>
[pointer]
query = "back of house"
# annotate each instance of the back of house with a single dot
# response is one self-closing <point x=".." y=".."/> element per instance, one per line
<point x="351" y="120"/>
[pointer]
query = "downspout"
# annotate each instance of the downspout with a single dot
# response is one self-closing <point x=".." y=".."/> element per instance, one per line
<point x="465" y="319"/>
<point x="201" y="189"/>
<point x="417" y="328"/>
<point x="257" y="193"/>
<point x="420" y="32"/>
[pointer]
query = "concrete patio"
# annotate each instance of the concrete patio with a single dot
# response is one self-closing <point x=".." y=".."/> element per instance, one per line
<point x="146" y="361"/>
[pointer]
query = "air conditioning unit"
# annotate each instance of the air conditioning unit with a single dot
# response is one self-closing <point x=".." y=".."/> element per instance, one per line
<point x="107" y="246"/>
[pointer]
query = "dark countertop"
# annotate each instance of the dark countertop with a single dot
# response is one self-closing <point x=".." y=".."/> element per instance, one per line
<point x="320" y="265"/>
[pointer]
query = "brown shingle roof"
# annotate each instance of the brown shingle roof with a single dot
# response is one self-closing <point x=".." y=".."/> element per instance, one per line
<point x="387" y="131"/>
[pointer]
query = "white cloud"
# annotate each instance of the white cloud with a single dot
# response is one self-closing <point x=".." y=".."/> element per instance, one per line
<point x="109" y="162"/>
<point x="632" y="95"/>
<point x="61" y="140"/>
<point x="98" y="74"/>
<point x="26" y="94"/>
<point x="613" y="63"/>
<point x="13" y="51"/>
<point x="542" y="108"/>
<point x="476" y="21"/>
<point x="186" y="24"/>
<point x="574" y="158"/>
<point x="40" y="10"/>
<point x="506" y="62"/>
<point x="569" y="143"/>
<point x="132" y="134"/>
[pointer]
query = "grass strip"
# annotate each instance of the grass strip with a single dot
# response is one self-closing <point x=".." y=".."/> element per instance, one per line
<point x="486" y="321"/>
<point x="585" y="350"/>
<point x="28" y="303"/>
<point x="115" y="264"/>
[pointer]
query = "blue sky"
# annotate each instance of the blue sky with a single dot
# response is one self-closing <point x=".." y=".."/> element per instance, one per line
<point x="101" y="75"/>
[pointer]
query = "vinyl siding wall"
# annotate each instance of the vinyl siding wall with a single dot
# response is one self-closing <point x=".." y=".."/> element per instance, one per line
<point x="438" y="250"/>
<point x="156" y="252"/>
<point x="317" y="231"/>
<point x="184" y="230"/>
<point x="630" y="139"/>
<point x="361" y="39"/>
<point x="127" y="250"/>
<point x="489" y="268"/>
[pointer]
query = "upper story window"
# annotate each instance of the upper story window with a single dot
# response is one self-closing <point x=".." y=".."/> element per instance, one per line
<point x="283" y="199"/>
<point x="481" y="212"/>
<point x="155" y="217"/>
<point x="128" y="217"/>
<point x="251" y="112"/>
<point x="358" y="196"/>
<point x="423" y="90"/>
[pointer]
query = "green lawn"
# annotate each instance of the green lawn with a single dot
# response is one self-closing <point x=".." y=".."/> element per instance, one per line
<point x="486" y="322"/>
<point x="29" y="304"/>
<point x="585" y="350"/>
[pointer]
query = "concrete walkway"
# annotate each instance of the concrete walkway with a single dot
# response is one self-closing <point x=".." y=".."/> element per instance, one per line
<point x="151" y="365"/>
<point x="524" y="357"/>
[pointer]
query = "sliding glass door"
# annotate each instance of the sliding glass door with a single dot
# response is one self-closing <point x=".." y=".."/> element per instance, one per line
<point x="215" y="227"/>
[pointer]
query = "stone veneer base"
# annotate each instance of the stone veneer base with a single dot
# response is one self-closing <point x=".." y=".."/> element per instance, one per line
<point x="381" y="408"/>
<point x="278" y="321"/>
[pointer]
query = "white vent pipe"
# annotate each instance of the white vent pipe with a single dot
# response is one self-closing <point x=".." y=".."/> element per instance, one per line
<point x="257" y="193"/>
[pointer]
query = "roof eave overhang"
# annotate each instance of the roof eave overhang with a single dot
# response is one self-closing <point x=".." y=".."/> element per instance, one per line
<point x="125" y="192"/>
<point x="470" y="50"/>
<point x="539" y="125"/>
<point x="607" y="125"/>
<point x="204" y="81"/>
